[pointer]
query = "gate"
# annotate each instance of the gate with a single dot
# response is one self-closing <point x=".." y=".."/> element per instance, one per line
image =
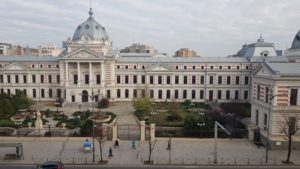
<point x="147" y="132"/>
<point x="129" y="132"/>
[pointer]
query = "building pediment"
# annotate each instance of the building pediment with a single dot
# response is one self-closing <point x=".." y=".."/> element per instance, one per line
<point x="15" y="66"/>
<point x="159" y="68"/>
<point x="83" y="53"/>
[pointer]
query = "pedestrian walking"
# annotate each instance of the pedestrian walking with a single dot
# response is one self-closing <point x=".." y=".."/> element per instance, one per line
<point x="110" y="153"/>
<point x="133" y="144"/>
<point x="117" y="143"/>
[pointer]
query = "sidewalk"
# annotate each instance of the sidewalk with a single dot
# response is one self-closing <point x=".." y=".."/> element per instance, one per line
<point x="183" y="151"/>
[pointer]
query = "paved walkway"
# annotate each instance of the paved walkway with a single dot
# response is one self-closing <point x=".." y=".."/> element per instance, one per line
<point x="183" y="151"/>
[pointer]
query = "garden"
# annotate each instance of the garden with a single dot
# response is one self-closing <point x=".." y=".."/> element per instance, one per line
<point x="192" y="119"/>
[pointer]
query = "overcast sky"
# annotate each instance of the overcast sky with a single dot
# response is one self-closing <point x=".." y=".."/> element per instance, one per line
<point x="210" y="27"/>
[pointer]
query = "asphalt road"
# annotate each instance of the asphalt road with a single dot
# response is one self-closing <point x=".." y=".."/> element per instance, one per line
<point x="152" y="167"/>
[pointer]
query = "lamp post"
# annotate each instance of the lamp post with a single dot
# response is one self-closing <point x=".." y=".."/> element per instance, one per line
<point x="153" y="112"/>
<point x="268" y="130"/>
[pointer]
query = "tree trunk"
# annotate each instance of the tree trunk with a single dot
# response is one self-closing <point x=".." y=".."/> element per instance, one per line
<point x="289" y="149"/>
<point x="100" y="144"/>
<point x="150" y="151"/>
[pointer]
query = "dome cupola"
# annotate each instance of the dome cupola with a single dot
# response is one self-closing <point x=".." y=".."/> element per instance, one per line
<point x="296" y="41"/>
<point x="91" y="31"/>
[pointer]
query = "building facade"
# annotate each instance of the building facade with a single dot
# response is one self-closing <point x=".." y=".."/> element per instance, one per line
<point x="89" y="65"/>
<point x="185" y="52"/>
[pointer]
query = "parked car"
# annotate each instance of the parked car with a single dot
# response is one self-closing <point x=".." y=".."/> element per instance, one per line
<point x="51" y="165"/>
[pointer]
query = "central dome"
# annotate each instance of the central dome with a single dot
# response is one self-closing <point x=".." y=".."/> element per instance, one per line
<point x="296" y="42"/>
<point x="90" y="30"/>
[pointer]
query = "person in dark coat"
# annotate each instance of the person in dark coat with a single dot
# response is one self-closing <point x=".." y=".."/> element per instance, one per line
<point x="110" y="153"/>
<point x="117" y="143"/>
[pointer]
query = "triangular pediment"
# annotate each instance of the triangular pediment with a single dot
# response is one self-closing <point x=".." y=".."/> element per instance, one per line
<point x="15" y="66"/>
<point x="263" y="70"/>
<point x="159" y="67"/>
<point x="82" y="53"/>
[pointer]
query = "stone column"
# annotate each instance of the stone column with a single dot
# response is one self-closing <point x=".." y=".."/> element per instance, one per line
<point x="103" y="76"/>
<point x="114" y="131"/>
<point x="67" y="74"/>
<point x="78" y="74"/>
<point x="91" y="74"/>
<point x="152" y="132"/>
<point x="142" y="128"/>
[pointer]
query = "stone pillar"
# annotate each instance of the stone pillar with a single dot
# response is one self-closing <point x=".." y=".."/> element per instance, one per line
<point x="142" y="128"/>
<point x="91" y="74"/>
<point x="114" y="131"/>
<point x="251" y="132"/>
<point x="152" y="132"/>
<point x="104" y="131"/>
<point x="67" y="74"/>
<point x="102" y="77"/>
<point x="78" y="74"/>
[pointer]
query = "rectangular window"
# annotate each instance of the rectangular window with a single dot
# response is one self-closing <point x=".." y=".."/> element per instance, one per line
<point x="201" y="94"/>
<point x="134" y="79"/>
<point x="86" y="79"/>
<point x="227" y="94"/>
<point x="267" y="95"/>
<point x="75" y="79"/>
<point x="143" y="93"/>
<point x="8" y="78"/>
<point x="17" y="78"/>
<point x="160" y="94"/>
<point x="293" y="97"/>
<point x="151" y="80"/>
<point x="193" y="79"/>
<point x="50" y="93"/>
<point x="134" y="93"/>
<point x="8" y="91"/>
<point x="176" y="94"/>
<point x="292" y="125"/>
<point x="258" y="92"/>
<point x="57" y="79"/>
<point x="151" y="94"/>
<point x="236" y="94"/>
<point x="211" y="95"/>
<point x="118" y="79"/>
<point x="42" y="93"/>
<point x="58" y="93"/>
<point x="168" y="79"/>
<point x="118" y="93"/>
<point x="168" y="95"/>
<point x="159" y="79"/>
<point x="176" y="79"/>
<point x="256" y="117"/>
<point x="211" y="80"/>
<point x="126" y="93"/>
<point x="1" y="78"/>
<point x="98" y="79"/>
<point x="219" y="79"/>
<point x="34" y="93"/>
<point x="265" y="119"/>
<point x="202" y="80"/>
<point x="237" y="80"/>
<point x="246" y="80"/>
<point x="143" y="79"/>
<point x="73" y="98"/>
<point x="228" y="80"/>
<point x="245" y="94"/>
<point x="184" y="94"/>
<point x="108" y="94"/>
<point x="42" y="78"/>
<point x="185" y="79"/>
<point x="219" y="94"/>
<point x="33" y="79"/>
<point x="49" y="78"/>
<point x="24" y="79"/>
<point x="126" y="79"/>
<point x="193" y="94"/>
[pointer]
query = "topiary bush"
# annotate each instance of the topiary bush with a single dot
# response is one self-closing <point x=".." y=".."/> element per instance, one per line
<point x="103" y="103"/>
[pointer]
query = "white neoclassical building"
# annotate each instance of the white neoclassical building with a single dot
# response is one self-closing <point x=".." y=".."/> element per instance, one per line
<point x="89" y="64"/>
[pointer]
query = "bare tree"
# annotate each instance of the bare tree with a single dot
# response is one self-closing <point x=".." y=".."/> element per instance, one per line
<point x="289" y="128"/>
<point x="151" y="148"/>
<point x="101" y="138"/>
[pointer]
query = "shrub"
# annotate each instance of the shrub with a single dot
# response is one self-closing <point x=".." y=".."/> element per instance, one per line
<point x="103" y="103"/>
<point x="7" y="123"/>
<point x="174" y="117"/>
